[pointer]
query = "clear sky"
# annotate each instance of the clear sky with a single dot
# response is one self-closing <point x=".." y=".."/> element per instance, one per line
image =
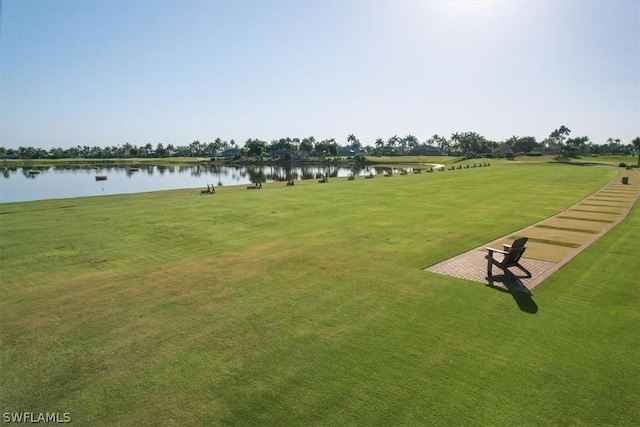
<point x="108" y="72"/>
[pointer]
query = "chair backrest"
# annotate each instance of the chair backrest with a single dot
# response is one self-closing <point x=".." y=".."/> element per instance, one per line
<point x="515" y="251"/>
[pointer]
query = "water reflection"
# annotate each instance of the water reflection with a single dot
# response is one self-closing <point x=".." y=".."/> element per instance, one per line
<point x="61" y="181"/>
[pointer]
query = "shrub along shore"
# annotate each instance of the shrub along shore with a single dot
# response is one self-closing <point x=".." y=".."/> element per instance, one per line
<point x="307" y="305"/>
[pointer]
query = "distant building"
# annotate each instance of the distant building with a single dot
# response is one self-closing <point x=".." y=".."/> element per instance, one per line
<point x="350" y="150"/>
<point x="388" y="151"/>
<point x="282" y="151"/>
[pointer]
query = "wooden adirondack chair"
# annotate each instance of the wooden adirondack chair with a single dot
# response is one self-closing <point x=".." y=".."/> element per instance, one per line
<point x="512" y="254"/>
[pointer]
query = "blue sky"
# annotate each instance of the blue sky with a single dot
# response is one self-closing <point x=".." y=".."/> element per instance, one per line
<point x="109" y="72"/>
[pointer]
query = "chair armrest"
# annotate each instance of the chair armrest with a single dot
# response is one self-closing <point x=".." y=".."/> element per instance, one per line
<point x="497" y="250"/>
<point x="506" y="247"/>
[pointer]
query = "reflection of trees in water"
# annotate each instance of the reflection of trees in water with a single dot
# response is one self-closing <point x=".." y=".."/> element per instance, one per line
<point x="67" y="168"/>
<point x="280" y="173"/>
<point x="216" y="170"/>
<point x="307" y="172"/>
<point x="32" y="173"/>
<point x="25" y="172"/>
<point x="357" y="169"/>
<point x="255" y="174"/>
<point x="222" y="173"/>
<point x="276" y="173"/>
<point x="289" y="173"/>
<point x="196" y="171"/>
<point x="381" y="169"/>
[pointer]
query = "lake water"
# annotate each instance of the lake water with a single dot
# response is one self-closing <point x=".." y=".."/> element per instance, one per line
<point x="19" y="184"/>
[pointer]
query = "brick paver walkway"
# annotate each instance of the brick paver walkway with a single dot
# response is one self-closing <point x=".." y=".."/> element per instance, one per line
<point x="579" y="226"/>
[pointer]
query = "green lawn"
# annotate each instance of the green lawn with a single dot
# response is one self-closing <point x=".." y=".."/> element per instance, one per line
<point x="604" y="159"/>
<point x="307" y="305"/>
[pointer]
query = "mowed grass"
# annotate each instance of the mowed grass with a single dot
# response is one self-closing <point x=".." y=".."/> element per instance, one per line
<point x="307" y="305"/>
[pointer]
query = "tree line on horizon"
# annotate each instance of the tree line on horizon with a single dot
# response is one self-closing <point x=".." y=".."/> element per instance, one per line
<point x="469" y="144"/>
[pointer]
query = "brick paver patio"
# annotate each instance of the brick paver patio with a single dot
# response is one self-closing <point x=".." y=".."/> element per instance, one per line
<point x="472" y="265"/>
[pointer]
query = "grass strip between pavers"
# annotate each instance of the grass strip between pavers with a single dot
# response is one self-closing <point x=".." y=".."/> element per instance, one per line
<point x="601" y="199"/>
<point x="556" y="237"/>
<point x="584" y="219"/>
<point x="592" y="215"/>
<point x="598" y="212"/>
<point x="603" y="204"/>
<point x="550" y="242"/>
<point x="595" y="227"/>
<point x="544" y="251"/>
<point x="577" y="230"/>
<point x="620" y="190"/>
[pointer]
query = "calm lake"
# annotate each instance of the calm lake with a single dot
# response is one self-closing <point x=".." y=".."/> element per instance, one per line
<point x="18" y="184"/>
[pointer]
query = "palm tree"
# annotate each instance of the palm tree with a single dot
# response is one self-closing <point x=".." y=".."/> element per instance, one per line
<point x="393" y="141"/>
<point x="411" y="141"/>
<point x="636" y="144"/>
<point x="511" y="142"/>
<point x="443" y="141"/>
<point x="455" y="138"/>
<point x="353" y="141"/>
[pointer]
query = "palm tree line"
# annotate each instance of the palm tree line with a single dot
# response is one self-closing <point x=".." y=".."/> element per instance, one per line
<point x="457" y="144"/>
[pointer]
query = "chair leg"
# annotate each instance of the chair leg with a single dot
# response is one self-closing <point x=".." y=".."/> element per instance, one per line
<point x="490" y="265"/>
<point x="524" y="269"/>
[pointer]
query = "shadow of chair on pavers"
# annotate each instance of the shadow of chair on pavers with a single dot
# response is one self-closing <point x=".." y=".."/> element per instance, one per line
<point x="511" y="258"/>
